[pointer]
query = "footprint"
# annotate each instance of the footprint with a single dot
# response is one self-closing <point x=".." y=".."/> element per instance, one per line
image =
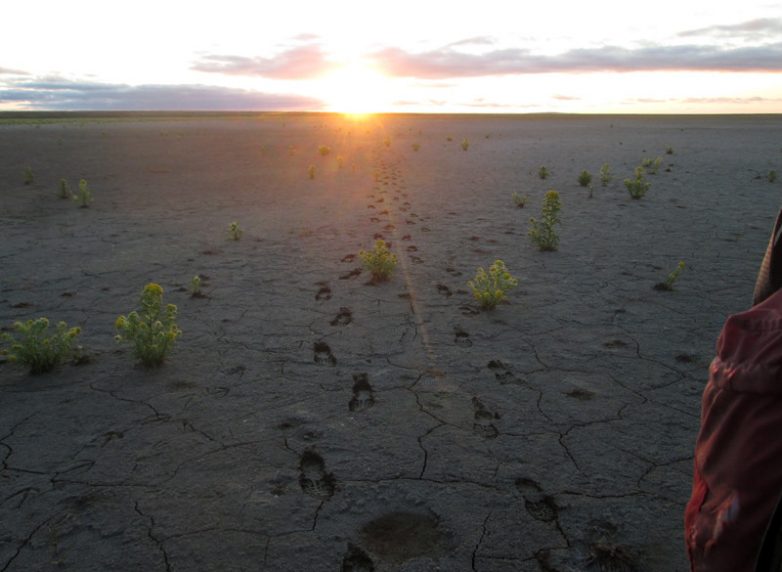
<point x="352" y="274"/>
<point x="384" y="212"/>
<point x="348" y="258"/>
<point x="417" y="259"/>
<point x="313" y="478"/>
<point x="444" y="290"/>
<point x="453" y="271"/>
<point x="356" y="560"/>
<point x="408" y="221"/>
<point x="412" y="248"/>
<point x="540" y="506"/>
<point x="344" y="317"/>
<point x="475" y="238"/>
<point x="461" y="338"/>
<point x="483" y="418"/>
<point x="363" y="396"/>
<point x="407" y="237"/>
<point x="374" y="219"/>
<point x="322" y="353"/>
<point x="389" y="227"/>
<point x="580" y="394"/>
<point x="615" y="344"/>
<point x="501" y="372"/>
<point x="378" y="236"/>
<point x="324" y="293"/>
<point x="468" y="310"/>
<point x="371" y="206"/>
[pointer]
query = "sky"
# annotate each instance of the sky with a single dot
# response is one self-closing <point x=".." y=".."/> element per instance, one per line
<point x="486" y="56"/>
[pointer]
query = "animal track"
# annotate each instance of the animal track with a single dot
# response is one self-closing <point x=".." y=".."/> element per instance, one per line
<point x="501" y="372"/>
<point x="344" y="317"/>
<point x="356" y="560"/>
<point x="322" y="353"/>
<point x="444" y="290"/>
<point x="313" y="478"/>
<point x="483" y="418"/>
<point x="417" y="259"/>
<point x="348" y="258"/>
<point x="378" y="236"/>
<point x="407" y="237"/>
<point x="352" y="274"/>
<point x="461" y="338"/>
<point x="615" y="344"/>
<point x="453" y="271"/>
<point x="540" y="506"/>
<point x="324" y="293"/>
<point x="468" y="310"/>
<point x="412" y="248"/>
<point x="580" y="394"/>
<point x="363" y="396"/>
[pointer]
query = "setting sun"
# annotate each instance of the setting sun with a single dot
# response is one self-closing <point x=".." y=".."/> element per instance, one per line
<point x="357" y="89"/>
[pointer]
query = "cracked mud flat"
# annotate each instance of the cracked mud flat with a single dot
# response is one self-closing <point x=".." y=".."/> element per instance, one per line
<point x="308" y="420"/>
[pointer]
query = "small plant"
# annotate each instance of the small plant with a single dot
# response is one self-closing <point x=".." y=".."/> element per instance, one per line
<point x="652" y="165"/>
<point x="324" y="150"/>
<point x="449" y="138"/>
<point x="667" y="284"/>
<point x="489" y="288"/>
<point x="519" y="200"/>
<point x="387" y="141"/>
<point x="669" y="150"/>
<point x="29" y="177"/>
<point x="542" y="232"/>
<point x="234" y="231"/>
<point x="772" y="176"/>
<point x="584" y="178"/>
<point x="605" y="175"/>
<point x="379" y="261"/>
<point x="195" y="287"/>
<point x="340" y="161"/>
<point x="465" y="144"/>
<point x="416" y="147"/>
<point x="152" y="330"/>
<point x="65" y="189"/>
<point x="36" y="348"/>
<point x="543" y="173"/>
<point x="311" y="171"/>
<point x="84" y="196"/>
<point x="638" y="185"/>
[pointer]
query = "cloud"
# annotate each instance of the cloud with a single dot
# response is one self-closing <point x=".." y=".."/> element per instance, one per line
<point x="301" y="62"/>
<point x="61" y="94"/>
<point x="751" y="29"/>
<point x="448" y="63"/>
<point x="9" y="71"/>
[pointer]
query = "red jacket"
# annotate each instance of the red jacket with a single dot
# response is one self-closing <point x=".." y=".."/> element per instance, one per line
<point x="737" y="477"/>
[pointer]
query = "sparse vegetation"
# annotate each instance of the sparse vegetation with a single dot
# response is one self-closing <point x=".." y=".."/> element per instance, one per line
<point x="490" y="288"/>
<point x="416" y="147"/>
<point x="234" y="231"/>
<point x="543" y="173"/>
<point x="29" y="176"/>
<point x="638" y="185"/>
<point x="667" y="284"/>
<point x="652" y="165"/>
<point x="519" y="200"/>
<point x="195" y="287"/>
<point x="379" y="261"/>
<point x="65" y="189"/>
<point x="605" y="175"/>
<point x="669" y="150"/>
<point x="84" y="196"/>
<point x="772" y="176"/>
<point x="543" y="233"/>
<point x="152" y="330"/>
<point x="340" y="161"/>
<point x="324" y="150"/>
<point x="311" y="171"/>
<point x="387" y="141"/>
<point x="465" y="144"/>
<point x="584" y="178"/>
<point x="34" y="347"/>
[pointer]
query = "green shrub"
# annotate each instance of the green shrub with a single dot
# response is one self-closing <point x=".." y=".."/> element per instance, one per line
<point x="35" y="348"/>
<point x="519" y="200"/>
<point x="667" y="284"/>
<point x="638" y="185"/>
<point x="465" y="144"/>
<point x="84" y="196"/>
<point x="489" y="288"/>
<point x="416" y="146"/>
<point x="543" y="233"/>
<point x="379" y="261"/>
<point x="669" y="150"/>
<point x="195" y="287"/>
<point x="65" y="189"/>
<point x="652" y="165"/>
<point x="152" y="330"/>
<point x="340" y="161"/>
<point x="311" y="171"/>
<point x="324" y="150"/>
<point x="605" y="175"/>
<point x="234" y="231"/>
<point x="29" y="177"/>
<point x="543" y="173"/>
<point x="585" y="178"/>
<point x="772" y="176"/>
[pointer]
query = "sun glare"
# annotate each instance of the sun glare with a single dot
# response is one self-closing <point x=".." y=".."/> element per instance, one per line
<point x="357" y="90"/>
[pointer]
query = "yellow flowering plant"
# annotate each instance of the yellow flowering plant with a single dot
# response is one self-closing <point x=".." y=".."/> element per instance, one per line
<point x="36" y="348"/>
<point x="152" y="330"/>
<point x="489" y="288"/>
<point x="379" y="261"/>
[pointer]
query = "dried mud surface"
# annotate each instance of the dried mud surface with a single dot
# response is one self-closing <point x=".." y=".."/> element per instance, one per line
<point x="310" y="421"/>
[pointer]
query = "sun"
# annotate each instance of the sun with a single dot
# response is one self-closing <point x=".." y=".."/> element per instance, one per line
<point x="357" y="90"/>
